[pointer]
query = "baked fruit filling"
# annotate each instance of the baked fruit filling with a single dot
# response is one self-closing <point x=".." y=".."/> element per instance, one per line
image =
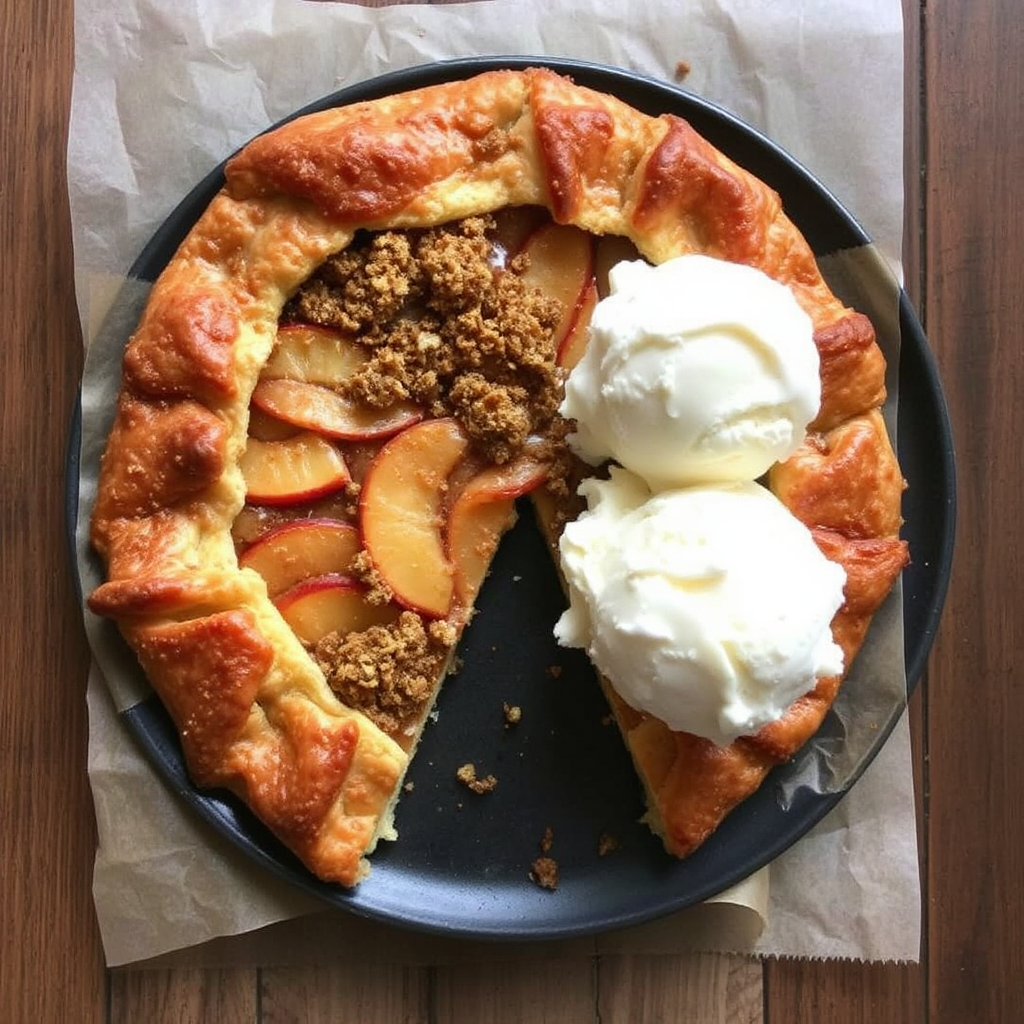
<point x="354" y="365"/>
<point x="412" y="395"/>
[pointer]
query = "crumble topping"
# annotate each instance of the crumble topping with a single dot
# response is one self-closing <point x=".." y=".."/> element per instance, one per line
<point x="387" y="672"/>
<point x="446" y="329"/>
<point x="547" y="840"/>
<point x="544" y="869"/>
<point x="378" y="591"/>
<point x="468" y="777"/>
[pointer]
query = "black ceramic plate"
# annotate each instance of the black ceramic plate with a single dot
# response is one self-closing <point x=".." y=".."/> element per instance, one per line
<point x="461" y="865"/>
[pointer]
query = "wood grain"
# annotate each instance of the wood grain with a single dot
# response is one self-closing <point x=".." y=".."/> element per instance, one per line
<point x="179" y="997"/>
<point x="974" y="294"/>
<point x="709" y="987"/>
<point x="370" y="994"/>
<point x="542" y="991"/>
<point x="843" y="992"/>
<point x="50" y="960"/>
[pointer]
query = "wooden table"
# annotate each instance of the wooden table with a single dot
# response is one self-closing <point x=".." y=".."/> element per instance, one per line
<point x="965" y="263"/>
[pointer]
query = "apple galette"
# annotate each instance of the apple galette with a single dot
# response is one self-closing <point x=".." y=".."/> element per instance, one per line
<point x="346" y="375"/>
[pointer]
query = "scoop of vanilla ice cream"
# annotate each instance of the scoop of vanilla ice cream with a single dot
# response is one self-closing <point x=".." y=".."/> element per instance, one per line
<point x="708" y="607"/>
<point x="696" y="370"/>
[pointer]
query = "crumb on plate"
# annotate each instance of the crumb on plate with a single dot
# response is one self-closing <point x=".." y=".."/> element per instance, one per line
<point x="468" y="777"/>
<point x="544" y="872"/>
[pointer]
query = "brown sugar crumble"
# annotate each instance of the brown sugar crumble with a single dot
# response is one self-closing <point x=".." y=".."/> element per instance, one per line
<point x="377" y="590"/>
<point x="387" y="672"/>
<point x="544" y="869"/>
<point x="446" y="329"/>
<point x="606" y="843"/>
<point x="468" y="777"/>
<point x="513" y="714"/>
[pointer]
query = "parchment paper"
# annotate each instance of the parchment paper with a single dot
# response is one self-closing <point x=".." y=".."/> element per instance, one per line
<point x="163" y="92"/>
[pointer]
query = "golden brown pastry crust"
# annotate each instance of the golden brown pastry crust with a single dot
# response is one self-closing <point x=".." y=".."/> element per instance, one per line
<point x="253" y="709"/>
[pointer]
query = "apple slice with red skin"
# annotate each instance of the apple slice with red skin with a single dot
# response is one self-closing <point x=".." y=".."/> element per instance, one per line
<point x="314" y="355"/>
<point x="253" y="521"/>
<point x="513" y="226"/>
<point x="315" y="407"/>
<point x="331" y="603"/>
<point x="265" y="427"/>
<point x="300" y="468"/>
<point x="610" y="249"/>
<point x="562" y="267"/>
<point x="300" y="549"/>
<point x="481" y="513"/>
<point x="402" y="514"/>
<point x="574" y="344"/>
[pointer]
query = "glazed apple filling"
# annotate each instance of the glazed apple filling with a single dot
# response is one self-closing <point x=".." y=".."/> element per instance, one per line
<point x="411" y="397"/>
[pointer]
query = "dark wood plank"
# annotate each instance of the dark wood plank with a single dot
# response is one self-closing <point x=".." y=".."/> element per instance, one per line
<point x="184" y="996"/>
<point x="541" y="991"/>
<point x="711" y="988"/>
<point x="974" y="56"/>
<point x="367" y="993"/>
<point x="843" y="992"/>
<point x="914" y="126"/>
<point x="50" y="964"/>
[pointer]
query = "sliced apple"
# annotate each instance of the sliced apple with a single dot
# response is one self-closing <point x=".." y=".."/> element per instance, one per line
<point x="314" y="355"/>
<point x="314" y="407"/>
<point x="562" y="267"/>
<point x="301" y="549"/>
<point x="482" y="512"/>
<point x="300" y="468"/>
<point x="513" y="226"/>
<point x="610" y="249"/>
<point x="253" y="521"/>
<point x="574" y="344"/>
<point x="332" y="603"/>
<point x="265" y="427"/>
<point x="401" y="512"/>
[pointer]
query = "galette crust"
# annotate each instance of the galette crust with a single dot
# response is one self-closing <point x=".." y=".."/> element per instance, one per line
<point x="254" y="711"/>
